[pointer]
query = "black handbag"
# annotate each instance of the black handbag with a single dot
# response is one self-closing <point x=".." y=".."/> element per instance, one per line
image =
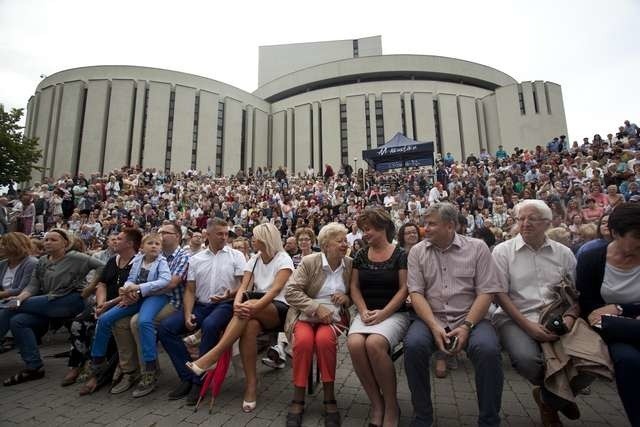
<point x="247" y="295"/>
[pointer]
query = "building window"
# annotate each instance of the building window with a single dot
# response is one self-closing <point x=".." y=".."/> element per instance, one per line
<point x="320" y="139"/>
<point x="85" y="91"/>
<point x="367" y="119"/>
<point x="404" y="117"/>
<point x="144" y="123"/>
<point x="535" y="99"/>
<point x="413" y="118"/>
<point x="521" y="100"/>
<point x="344" y="144"/>
<point x="379" y="124"/>
<point x="172" y="104"/>
<point x="194" y="147"/>
<point x="436" y="119"/>
<point x="220" y="139"/>
<point x="356" y="50"/>
<point x="243" y="141"/>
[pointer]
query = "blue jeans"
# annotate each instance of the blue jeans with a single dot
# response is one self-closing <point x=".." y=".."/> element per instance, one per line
<point x="34" y="314"/>
<point x="626" y="362"/>
<point x="484" y="351"/>
<point x="212" y="319"/>
<point x="147" y="308"/>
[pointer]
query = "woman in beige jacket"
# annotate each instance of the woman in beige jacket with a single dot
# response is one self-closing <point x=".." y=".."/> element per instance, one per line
<point x="318" y="296"/>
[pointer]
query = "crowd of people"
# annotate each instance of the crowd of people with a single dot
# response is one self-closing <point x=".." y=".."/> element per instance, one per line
<point x="481" y="255"/>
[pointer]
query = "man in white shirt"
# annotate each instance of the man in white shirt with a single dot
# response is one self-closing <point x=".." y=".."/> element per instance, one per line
<point x="437" y="194"/>
<point x="212" y="281"/>
<point x="530" y="264"/>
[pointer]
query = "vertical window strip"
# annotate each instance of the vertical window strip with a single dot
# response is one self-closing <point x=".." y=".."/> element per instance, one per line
<point x="436" y="118"/>
<point x="521" y="100"/>
<point x="243" y="140"/>
<point x="535" y="98"/>
<point x="220" y="139"/>
<point x="194" y="146"/>
<point x="413" y="118"/>
<point x="379" y="124"/>
<point x="83" y="110"/>
<point x="404" y="117"/>
<point x="145" y="111"/>
<point x="344" y="147"/>
<point x="367" y="116"/>
<point x="172" y="103"/>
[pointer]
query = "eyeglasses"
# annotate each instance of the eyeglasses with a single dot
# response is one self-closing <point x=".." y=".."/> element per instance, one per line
<point x="531" y="220"/>
<point x="163" y="232"/>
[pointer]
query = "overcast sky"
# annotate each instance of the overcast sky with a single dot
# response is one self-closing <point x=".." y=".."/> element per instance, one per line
<point x="587" y="46"/>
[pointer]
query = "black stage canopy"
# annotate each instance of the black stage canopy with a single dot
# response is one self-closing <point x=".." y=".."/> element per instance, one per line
<point x="399" y="152"/>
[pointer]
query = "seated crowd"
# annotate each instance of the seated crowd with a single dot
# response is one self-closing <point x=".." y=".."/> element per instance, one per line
<point x="522" y="253"/>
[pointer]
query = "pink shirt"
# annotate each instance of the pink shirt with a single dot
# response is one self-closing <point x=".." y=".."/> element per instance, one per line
<point x="450" y="279"/>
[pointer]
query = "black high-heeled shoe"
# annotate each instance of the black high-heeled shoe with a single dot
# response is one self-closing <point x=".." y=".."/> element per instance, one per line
<point x="331" y="419"/>
<point x="295" y="420"/>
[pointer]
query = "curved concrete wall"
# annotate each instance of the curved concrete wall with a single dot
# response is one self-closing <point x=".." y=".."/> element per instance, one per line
<point x="96" y="119"/>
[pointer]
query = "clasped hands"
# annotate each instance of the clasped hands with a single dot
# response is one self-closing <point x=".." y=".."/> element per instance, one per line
<point x="129" y="294"/>
<point x="443" y="338"/>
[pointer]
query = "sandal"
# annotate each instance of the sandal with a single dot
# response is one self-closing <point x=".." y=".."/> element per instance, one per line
<point x="24" y="376"/>
<point x="295" y="420"/>
<point x="331" y="419"/>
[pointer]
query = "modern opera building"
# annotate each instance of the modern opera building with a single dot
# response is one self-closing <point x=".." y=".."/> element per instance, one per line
<point x="316" y="103"/>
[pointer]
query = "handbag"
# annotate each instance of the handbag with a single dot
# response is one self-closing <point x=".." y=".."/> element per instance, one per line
<point x="247" y="295"/>
<point x="336" y="311"/>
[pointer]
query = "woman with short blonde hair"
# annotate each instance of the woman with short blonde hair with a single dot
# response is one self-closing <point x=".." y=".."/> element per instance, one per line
<point x="259" y="305"/>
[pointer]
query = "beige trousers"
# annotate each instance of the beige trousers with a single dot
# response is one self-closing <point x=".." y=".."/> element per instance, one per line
<point x="125" y="332"/>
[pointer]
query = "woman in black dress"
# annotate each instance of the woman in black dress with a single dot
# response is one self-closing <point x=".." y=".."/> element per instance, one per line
<point x="378" y="290"/>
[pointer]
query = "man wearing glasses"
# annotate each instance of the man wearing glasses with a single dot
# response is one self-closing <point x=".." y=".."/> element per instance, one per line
<point x="125" y="331"/>
<point x="529" y="265"/>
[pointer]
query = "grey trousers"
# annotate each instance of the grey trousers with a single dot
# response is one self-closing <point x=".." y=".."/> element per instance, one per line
<point x="484" y="351"/>
<point x="527" y="359"/>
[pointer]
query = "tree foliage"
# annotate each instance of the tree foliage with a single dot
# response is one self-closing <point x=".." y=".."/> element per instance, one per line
<point x="18" y="155"/>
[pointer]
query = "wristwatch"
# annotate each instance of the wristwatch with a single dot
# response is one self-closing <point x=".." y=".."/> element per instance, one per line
<point x="469" y="324"/>
<point x="620" y="310"/>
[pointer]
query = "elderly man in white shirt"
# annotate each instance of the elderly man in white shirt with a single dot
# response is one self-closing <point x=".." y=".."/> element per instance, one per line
<point x="530" y="264"/>
<point x="213" y="278"/>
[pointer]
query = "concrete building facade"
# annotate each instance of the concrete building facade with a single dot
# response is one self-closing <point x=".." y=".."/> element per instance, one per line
<point x="316" y="104"/>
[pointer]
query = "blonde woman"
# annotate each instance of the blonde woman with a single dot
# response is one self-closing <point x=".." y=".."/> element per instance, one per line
<point x="259" y="305"/>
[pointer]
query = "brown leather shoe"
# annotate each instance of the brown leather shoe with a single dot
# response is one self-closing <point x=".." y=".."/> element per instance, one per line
<point x="71" y="377"/>
<point x="441" y="367"/>
<point x="548" y="416"/>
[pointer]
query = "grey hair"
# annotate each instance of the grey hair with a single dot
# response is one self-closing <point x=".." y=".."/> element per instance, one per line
<point x="447" y="212"/>
<point x="539" y="205"/>
<point x="330" y="231"/>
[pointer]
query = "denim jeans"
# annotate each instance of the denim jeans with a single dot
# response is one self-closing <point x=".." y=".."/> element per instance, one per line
<point x="626" y="361"/>
<point x="212" y="319"/>
<point x="147" y="310"/>
<point x="483" y="350"/>
<point x="33" y="315"/>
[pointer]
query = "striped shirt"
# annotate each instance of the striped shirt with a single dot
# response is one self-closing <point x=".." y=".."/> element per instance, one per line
<point x="178" y="264"/>
<point x="450" y="279"/>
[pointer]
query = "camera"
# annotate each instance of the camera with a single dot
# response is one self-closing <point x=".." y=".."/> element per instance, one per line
<point x="556" y="325"/>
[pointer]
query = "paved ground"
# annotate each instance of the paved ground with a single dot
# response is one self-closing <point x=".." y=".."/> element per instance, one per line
<point x="45" y="402"/>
